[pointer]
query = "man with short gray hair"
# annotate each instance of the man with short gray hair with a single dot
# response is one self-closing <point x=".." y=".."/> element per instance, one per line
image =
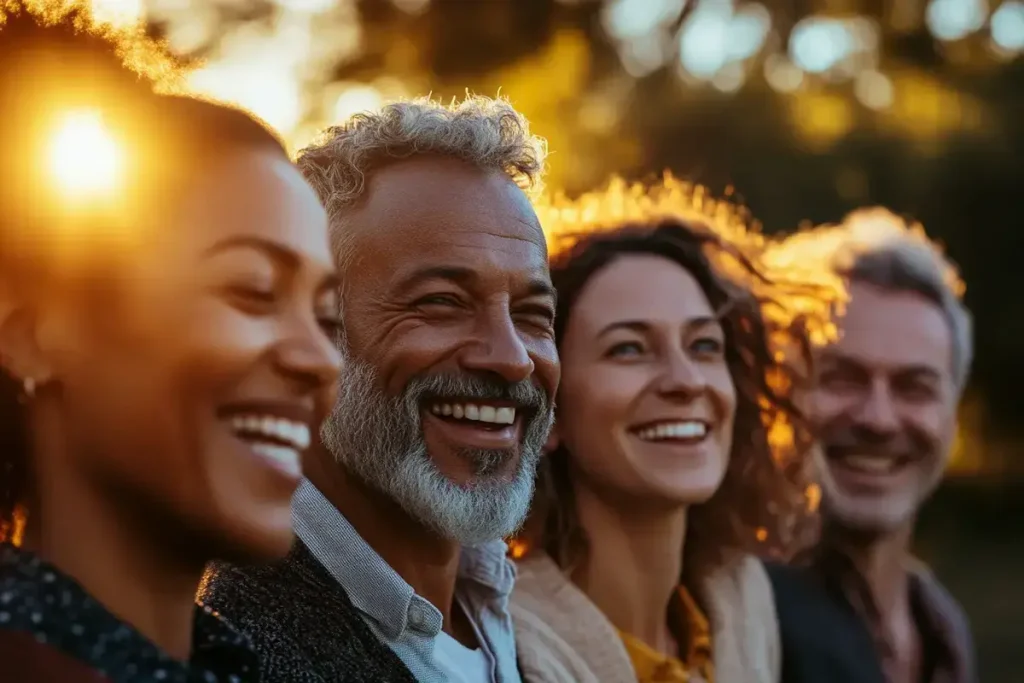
<point x="885" y="403"/>
<point x="428" y="459"/>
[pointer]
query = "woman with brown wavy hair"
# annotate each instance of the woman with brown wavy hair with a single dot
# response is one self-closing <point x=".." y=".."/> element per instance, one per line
<point x="677" y="454"/>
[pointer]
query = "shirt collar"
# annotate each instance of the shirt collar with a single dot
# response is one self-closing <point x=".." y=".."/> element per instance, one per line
<point x="372" y="585"/>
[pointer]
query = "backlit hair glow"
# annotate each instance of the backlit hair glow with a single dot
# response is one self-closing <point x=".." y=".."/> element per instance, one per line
<point x="772" y="316"/>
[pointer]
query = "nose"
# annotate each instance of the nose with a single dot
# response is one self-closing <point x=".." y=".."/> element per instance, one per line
<point x="877" y="411"/>
<point x="681" y="376"/>
<point x="498" y="349"/>
<point x="310" y="356"/>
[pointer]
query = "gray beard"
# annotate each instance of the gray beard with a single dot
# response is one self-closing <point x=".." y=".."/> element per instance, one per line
<point x="379" y="439"/>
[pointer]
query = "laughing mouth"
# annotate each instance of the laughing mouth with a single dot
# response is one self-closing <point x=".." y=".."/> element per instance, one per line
<point x="688" y="431"/>
<point x="486" y="414"/>
<point x="277" y="439"/>
<point x="867" y="463"/>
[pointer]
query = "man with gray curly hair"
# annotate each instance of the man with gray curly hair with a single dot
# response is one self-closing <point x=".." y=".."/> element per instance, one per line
<point x="885" y="404"/>
<point x="429" y="457"/>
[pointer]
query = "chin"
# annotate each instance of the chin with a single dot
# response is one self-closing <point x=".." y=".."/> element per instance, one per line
<point x="268" y="541"/>
<point x="678" y="496"/>
<point x="870" y="517"/>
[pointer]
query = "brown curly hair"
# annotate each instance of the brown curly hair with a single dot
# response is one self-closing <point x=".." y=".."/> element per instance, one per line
<point x="766" y="503"/>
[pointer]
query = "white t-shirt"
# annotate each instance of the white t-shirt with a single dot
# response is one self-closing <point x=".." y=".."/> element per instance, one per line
<point x="460" y="664"/>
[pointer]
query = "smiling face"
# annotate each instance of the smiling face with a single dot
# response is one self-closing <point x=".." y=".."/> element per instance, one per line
<point x="448" y="321"/>
<point x="190" y="380"/>
<point x="885" y="403"/>
<point x="647" y="403"/>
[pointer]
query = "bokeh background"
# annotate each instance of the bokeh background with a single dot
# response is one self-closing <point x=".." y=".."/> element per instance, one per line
<point x="805" y="109"/>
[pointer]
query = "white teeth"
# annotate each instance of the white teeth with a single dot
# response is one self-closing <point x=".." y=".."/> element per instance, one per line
<point x="284" y="458"/>
<point x="480" y="413"/>
<point x="870" y="463"/>
<point x="295" y="434"/>
<point x="688" y="429"/>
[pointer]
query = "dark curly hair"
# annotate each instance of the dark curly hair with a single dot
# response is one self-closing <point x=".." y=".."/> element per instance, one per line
<point x="76" y="63"/>
<point x="766" y="501"/>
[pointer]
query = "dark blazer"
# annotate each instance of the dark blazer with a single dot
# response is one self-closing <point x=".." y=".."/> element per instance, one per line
<point x="823" y="638"/>
<point x="301" y="623"/>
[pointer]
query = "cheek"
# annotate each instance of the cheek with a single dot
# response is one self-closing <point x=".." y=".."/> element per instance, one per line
<point x="414" y="351"/>
<point x="723" y="392"/>
<point x="548" y="370"/>
<point x="594" y="410"/>
<point x="147" y="401"/>
<point x="823" y="406"/>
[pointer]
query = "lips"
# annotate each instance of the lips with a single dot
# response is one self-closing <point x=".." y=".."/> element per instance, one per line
<point x="867" y="470"/>
<point x="478" y="424"/>
<point x="681" y="431"/>
<point x="475" y="412"/>
<point x="276" y="434"/>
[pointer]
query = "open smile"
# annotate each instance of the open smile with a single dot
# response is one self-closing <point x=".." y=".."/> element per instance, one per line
<point x="673" y="431"/>
<point x="277" y="434"/>
<point x="480" y="424"/>
<point x="869" y="470"/>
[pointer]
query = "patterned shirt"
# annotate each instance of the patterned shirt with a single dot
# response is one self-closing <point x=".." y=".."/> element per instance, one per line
<point x="405" y="621"/>
<point x="37" y="599"/>
<point x="653" y="667"/>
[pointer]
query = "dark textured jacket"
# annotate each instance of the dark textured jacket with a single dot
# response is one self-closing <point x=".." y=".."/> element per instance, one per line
<point x="823" y="638"/>
<point x="301" y="623"/>
<point x="826" y="636"/>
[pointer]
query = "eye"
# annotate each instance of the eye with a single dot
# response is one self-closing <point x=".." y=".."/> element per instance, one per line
<point x="251" y="296"/>
<point x="918" y="392"/>
<point x="542" y="316"/>
<point x="331" y="325"/>
<point x="628" y="349"/>
<point x="438" y="300"/>
<point x="708" y="346"/>
<point x="837" y="380"/>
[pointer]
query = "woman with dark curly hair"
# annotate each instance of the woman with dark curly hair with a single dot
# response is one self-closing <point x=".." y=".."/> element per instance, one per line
<point x="677" y="454"/>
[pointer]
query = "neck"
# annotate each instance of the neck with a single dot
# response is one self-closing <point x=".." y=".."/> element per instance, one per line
<point x="144" y="578"/>
<point x="423" y="559"/>
<point x="881" y="560"/>
<point x="634" y="565"/>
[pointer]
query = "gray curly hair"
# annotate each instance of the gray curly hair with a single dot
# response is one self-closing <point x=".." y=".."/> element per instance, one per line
<point x="878" y="247"/>
<point x="486" y="132"/>
<point x="905" y="260"/>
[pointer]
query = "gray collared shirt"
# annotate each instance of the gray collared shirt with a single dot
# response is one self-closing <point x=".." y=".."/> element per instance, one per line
<point x="408" y="623"/>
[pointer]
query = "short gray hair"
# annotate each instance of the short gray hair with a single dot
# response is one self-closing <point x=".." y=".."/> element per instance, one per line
<point x="886" y="251"/>
<point x="485" y="132"/>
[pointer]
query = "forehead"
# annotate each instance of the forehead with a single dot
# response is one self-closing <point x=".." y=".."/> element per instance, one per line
<point x="254" y="193"/>
<point x="888" y="331"/>
<point x="642" y="288"/>
<point x="426" y="210"/>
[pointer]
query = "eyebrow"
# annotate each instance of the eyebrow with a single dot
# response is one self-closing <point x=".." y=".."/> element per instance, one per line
<point x="910" y="369"/>
<point x="466" y="277"/>
<point x="275" y="251"/>
<point x="644" y="326"/>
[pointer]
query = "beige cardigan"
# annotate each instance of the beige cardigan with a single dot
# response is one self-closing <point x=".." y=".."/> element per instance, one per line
<point x="562" y="637"/>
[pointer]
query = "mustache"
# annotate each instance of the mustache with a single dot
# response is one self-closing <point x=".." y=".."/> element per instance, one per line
<point x="860" y="439"/>
<point x="467" y="386"/>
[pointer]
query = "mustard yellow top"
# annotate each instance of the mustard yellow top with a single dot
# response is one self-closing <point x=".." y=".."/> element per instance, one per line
<point x="653" y="667"/>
